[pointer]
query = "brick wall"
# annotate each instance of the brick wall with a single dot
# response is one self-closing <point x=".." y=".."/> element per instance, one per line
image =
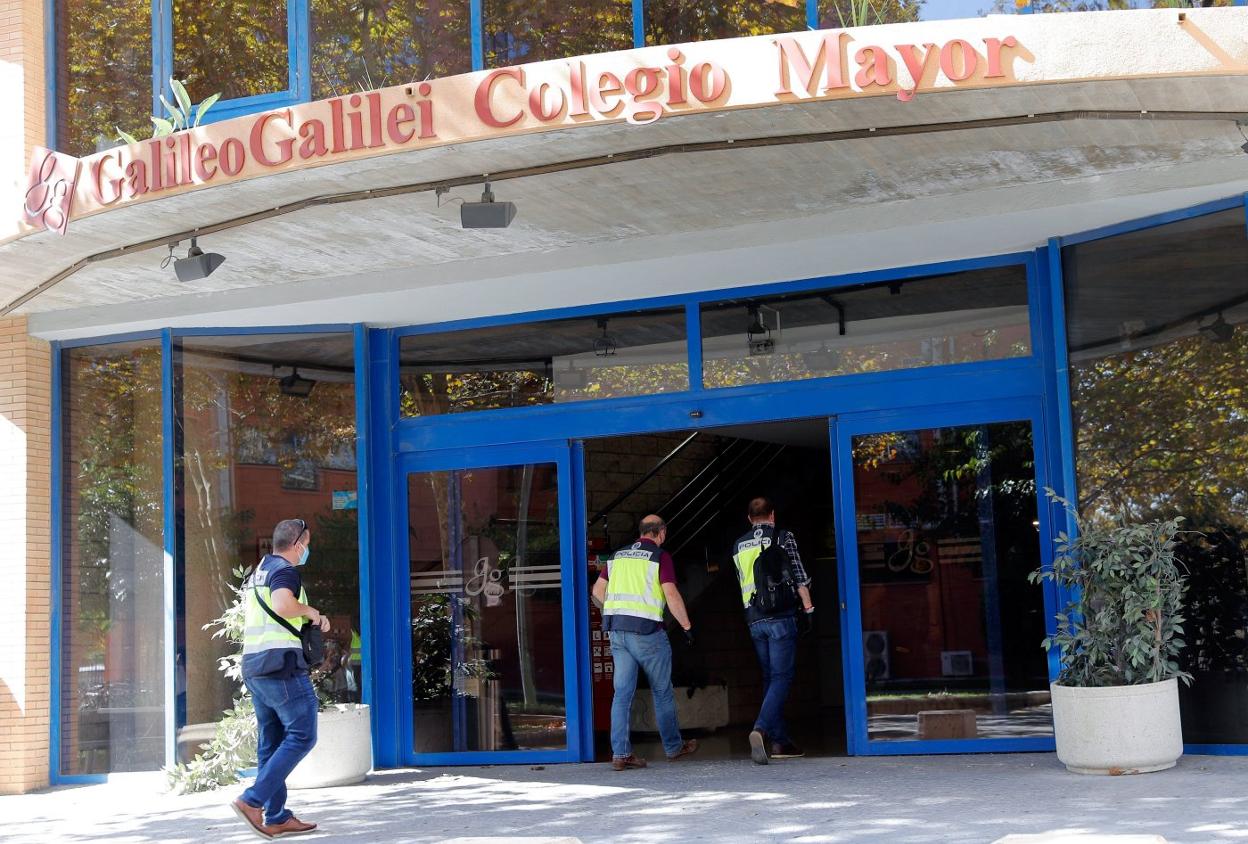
<point x="25" y="557"/>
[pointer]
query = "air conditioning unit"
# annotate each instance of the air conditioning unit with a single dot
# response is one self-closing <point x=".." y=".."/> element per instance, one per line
<point x="875" y="655"/>
<point x="957" y="663"/>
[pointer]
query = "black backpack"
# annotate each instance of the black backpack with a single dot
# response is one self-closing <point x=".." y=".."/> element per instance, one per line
<point x="775" y="595"/>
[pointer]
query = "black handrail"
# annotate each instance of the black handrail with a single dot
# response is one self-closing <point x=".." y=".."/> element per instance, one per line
<point x="623" y="496"/>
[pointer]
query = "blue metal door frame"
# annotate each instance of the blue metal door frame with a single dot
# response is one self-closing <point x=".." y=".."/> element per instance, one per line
<point x="562" y="454"/>
<point x="842" y="430"/>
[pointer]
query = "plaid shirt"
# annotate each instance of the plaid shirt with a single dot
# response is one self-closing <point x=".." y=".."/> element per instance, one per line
<point x="789" y="542"/>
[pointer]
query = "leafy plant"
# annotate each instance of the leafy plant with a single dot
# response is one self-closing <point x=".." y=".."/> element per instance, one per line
<point x="233" y="746"/>
<point x="1123" y="625"/>
<point x="180" y="115"/>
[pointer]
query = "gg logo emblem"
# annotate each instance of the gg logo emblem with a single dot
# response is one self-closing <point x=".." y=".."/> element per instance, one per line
<point x="51" y="189"/>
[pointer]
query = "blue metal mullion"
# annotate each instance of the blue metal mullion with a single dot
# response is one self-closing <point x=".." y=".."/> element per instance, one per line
<point x="850" y="610"/>
<point x="388" y="638"/>
<point x="812" y="14"/>
<point x="580" y="583"/>
<point x="162" y="49"/>
<point x="56" y="549"/>
<point x="573" y="600"/>
<point x="693" y="342"/>
<point x="639" y="23"/>
<point x="168" y="470"/>
<point x="478" y="39"/>
<point x="50" y="100"/>
<point x="364" y="511"/>
<point x="298" y="27"/>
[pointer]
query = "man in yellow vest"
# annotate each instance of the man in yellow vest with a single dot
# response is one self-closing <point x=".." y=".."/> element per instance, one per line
<point x="774" y="635"/>
<point x="276" y="674"/>
<point x="638" y="582"/>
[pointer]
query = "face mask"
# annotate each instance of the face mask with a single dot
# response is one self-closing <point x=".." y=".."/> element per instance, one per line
<point x="303" y="555"/>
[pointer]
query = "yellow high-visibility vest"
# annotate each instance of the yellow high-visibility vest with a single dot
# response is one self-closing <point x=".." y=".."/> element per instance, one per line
<point x="633" y="586"/>
<point x="265" y="642"/>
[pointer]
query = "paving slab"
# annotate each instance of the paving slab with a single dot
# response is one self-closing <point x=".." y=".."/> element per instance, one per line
<point x="894" y="800"/>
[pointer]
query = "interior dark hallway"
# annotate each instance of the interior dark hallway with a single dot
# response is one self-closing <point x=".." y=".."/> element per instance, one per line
<point x="701" y="485"/>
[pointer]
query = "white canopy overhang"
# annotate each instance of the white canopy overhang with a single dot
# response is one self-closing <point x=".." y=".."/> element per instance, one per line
<point x="715" y="198"/>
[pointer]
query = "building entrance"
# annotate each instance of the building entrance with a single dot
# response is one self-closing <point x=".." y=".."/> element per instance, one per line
<point x="918" y="531"/>
<point x="701" y="483"/>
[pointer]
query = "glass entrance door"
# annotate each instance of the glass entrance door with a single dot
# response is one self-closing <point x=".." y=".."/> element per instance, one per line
<point x="939" y="528"/>
<point x="491" y="629"/>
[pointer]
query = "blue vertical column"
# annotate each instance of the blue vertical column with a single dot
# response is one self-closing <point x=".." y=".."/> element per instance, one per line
<point x="162" y="49"/>
<point x="475" y="22"/>
<point x="167" y="405"/>
<point x="693" y="343"/>
<point x="55" y="579"/>
<point x="392" y="733"/>
<point x="364" y="513"/>
<point x="639" y="23"/>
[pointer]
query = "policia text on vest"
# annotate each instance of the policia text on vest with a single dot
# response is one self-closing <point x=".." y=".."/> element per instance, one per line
<point x="638" y="583"/>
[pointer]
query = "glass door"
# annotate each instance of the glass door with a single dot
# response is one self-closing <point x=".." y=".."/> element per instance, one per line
<point x="939" y="528"/>
<point x="491" y="622"/>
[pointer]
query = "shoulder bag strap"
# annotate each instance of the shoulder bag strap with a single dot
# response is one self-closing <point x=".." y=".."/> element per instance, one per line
<point x="274" y="615"/>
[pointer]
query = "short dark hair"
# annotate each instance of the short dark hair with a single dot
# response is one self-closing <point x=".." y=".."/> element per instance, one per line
<point x="650" y="526"/>
<point x="761" y="507"/>
<point x="287" y="532"/>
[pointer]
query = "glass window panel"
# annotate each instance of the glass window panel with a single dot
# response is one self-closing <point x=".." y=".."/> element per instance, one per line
<point x="103" y="71"/>
<point x="679" y="21"/>
<point x="1157" y="345"/>
<point x="519" y="31"/>
<point x="255" y="450"/>
<point x="947" y="534"/>
<point x="113" y="658"/>
<point x="839" y="14"/>
<point x="902" y="324"/>
<point x="236" y="48"/>
<point x="586" y="358"/>
<point x="362" y="46"/>
<point x="487" y="612"/>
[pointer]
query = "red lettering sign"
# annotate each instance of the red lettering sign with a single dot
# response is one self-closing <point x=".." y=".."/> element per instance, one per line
<point x="50" y="190"/>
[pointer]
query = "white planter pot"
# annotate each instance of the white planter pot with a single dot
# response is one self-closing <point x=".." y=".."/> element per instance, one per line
<point x="344" y="749"/>
<point x="1116" y="730"/>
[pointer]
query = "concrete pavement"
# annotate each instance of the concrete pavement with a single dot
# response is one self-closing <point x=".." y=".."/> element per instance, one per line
<point x="919" y="799"/>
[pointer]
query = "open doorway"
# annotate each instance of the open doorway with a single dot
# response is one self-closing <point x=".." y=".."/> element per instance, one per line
<point x="701" y="483"/>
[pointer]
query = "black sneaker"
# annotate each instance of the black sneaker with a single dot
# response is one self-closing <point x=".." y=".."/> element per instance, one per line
<point x="758" y="747"/>
<point x="785" y="750"/>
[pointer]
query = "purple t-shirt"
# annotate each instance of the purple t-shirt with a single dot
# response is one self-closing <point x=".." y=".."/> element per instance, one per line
<point x="632" y="623"/>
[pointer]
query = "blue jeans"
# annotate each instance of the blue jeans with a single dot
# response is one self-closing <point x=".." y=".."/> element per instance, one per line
<point x="286" y="717"/>
<point x="653" y="654"/>
<point x="775" y="642"/>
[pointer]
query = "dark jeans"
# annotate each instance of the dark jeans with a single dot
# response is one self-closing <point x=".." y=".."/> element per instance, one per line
<point x="775" y="642"/>
<point x="286" y="717"/>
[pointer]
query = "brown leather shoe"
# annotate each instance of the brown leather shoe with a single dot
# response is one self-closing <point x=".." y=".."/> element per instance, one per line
<point x="290" y="826"/>
<point x="690" y="746"/>
<point x="252" y="816"/>
<point x="623" y="763"/>
<point x="785" y="750"/>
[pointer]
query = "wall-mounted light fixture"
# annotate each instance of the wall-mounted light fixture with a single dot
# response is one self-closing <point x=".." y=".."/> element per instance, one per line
<point x="757" y="334"/>
<point x="604" y="346"/>
<point x="487" y="214"/>
<point x="296" y="385"/>
<point x="196" y="265"/>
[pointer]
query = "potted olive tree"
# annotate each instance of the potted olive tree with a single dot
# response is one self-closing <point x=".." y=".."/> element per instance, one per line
<point x="1116" y="699"/>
